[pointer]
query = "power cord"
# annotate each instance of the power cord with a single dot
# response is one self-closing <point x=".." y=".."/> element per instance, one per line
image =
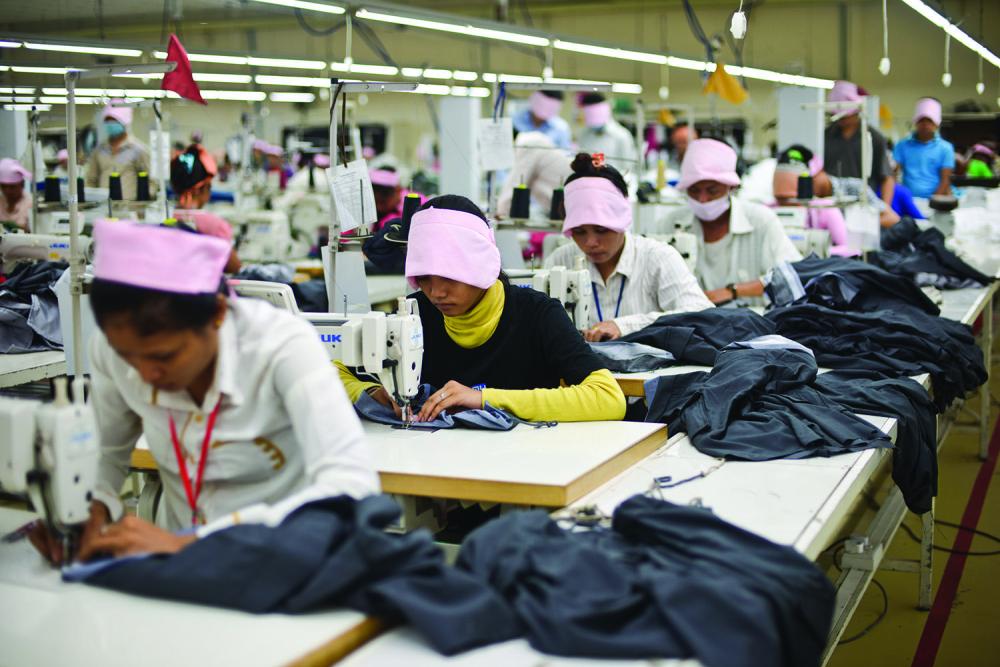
<point x="871" y="626"/>
<point x="958" y="526"/>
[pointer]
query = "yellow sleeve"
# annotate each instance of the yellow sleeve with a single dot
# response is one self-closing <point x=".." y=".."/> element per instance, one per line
<point x="597" y="398"/>
<point x="353" y="385"/>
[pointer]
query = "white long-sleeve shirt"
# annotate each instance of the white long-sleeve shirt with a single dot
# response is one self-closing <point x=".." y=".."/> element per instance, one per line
<point x="285" y="432"/>
<point x="539" y="165"/>
<point x="618" y="146"/>
<point x="755" y="244"/>
<point x="651" y="278"/>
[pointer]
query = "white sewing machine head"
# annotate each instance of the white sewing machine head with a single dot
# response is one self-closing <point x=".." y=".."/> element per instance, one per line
<point x="388" y="347"/>
<point x="15" y="246"/>
<point x="49" y="453"/>
<point x="570" y="287"/>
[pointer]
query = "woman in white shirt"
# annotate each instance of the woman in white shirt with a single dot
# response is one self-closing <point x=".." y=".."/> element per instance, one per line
<point x="634" y="280"/>
<point x="238" y="402"/>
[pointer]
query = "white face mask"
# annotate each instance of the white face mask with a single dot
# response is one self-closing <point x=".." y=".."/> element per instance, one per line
<point x="710" y="210"/>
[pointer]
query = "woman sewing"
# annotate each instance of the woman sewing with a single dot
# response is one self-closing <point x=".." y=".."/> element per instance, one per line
<point x="486" y="341"/>
<point x="634" y="280"/>
<point x="236" y="400"/>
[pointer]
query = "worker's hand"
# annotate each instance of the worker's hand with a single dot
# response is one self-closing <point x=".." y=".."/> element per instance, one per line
<point x="606" y="330"/>
<point x="721" y="295"/>
<point x="133" y="535"/>
<point x="887" y="217"/>
<point x="383" y="397"/>
<point x="49" y="544"/>
<point x="454" y="396"/>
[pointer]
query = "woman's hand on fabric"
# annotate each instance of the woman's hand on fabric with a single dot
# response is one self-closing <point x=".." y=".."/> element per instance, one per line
<point x="454" y="396"/>
<point x="602" y="331"/>
<point x="133" y="535"/>
<point x="50" y="546"/>
<point x="383" y="397"/>
<point x="721" y="295"/>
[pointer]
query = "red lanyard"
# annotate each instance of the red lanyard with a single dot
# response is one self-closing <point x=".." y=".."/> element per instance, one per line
<point x="192" y="494"/>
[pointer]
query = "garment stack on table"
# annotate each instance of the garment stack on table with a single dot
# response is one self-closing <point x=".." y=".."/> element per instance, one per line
<point x="661" y="582"/>
<point x="921" y="255"/>
<point x="29" y="308"/>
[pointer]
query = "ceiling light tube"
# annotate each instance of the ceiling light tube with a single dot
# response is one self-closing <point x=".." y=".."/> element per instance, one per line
<point x="291" y="63"/>
<point x="218" y="78"/>
<point x="27" y="107"/>
<point x="61" y="71"/>
<point x="432" y="73"/>
<point x="381" y="70"/>
<point x="301" y="4"/>
<point x="462" y="75"/>
<point x="19" y="90"/>
<point x="412" y="72"/>
<point x="9" y="44"/>
<point x="305" y="98"/>
<point x="609" y="52"/>
<point x="456" y="28"/>
<point x="71" y="48"/>
<point x="304" y="81"/>
<point x="956" y="33"/>
<point x="626" y="88"/>
<point x="207" y="58"/>
<point x="235" y="95"/>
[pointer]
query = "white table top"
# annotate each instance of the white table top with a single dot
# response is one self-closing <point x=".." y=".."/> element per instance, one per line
<point x="549" y="467"/>
<point x="965" y="305"/>
<point x="44" y="621"/>
<point x="405" y="647"/>
<point x="18" y="369"/>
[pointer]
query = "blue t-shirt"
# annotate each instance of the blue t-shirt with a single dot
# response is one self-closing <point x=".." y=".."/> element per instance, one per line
<point x="554" y="128"/>
<point x="922" y="163"/>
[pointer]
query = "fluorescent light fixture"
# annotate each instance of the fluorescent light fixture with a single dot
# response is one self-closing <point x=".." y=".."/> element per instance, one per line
<point x="221" y="78"/>
<point x="462" y="75"/>
<point x="432" y="73"/>
<point x="146" y="93"/>
<point x="17" y="98"/>
<point x="71" y="48"/>
<point x="40" y="70"/>
<point x="412" y="72"/>
<point x="626" y="88"/>
<point x="519" y="78"/>
<point x="207" y="58"/>
<point x="433" y="89"/>
<point x="304" y="81"/>
<point x="558" y="80"/>
<point x="457" y="28"/>
<point x="621" y="54"/>
<point x="474" y="91"/>
<point x="86" y="92"/>
<point x="27" y="107"/>
<point x="65" y="100"/>
<point x="380" y="70"/>
<point x="9" y="44"/>
<point x="301" y="4"/>
<point x="235" y="95"/>
<point x="19" y="90"/>
<point x="290" y="63"/>
<point x="4" y="68"/>
<point x="305" y="98"/>
<point x="956" y="33"/>
<point x="687" y="63"/>
<point x="489" y="77"/>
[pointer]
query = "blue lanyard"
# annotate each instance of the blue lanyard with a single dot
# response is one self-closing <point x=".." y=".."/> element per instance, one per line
<point x="597" y="302"/>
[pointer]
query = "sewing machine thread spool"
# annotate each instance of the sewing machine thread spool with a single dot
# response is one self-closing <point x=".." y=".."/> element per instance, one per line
<point x="805" y="187"/>
<point x="520" y="205"/>
<point x="410" y="205"/>
<point x="115" y="187"/>
<point x="81" y="193"/>
<point x="51" y="188"/>
<point x="142" y="187"/>
<point x="557" y="211"/>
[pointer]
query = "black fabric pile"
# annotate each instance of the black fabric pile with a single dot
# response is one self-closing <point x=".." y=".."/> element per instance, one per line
<point x="759" y="405"/>
<point x="332" y="553"/>
<point x="666" y="581"/>
<point x="621" y="357"/>
<point x="850" y="284"/>
<point x="922" y="257"/>
<point x="914" y="457"/>
<point x="901" y="342"/>
<point x="29" y="308"/>
<point x="695" y="338"/>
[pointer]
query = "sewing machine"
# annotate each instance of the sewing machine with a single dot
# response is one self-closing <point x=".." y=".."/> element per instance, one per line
<point x="388" y="347"/>
<point x="15" y="246"/>
<point x="684" y="243"/>
<point x="571" y="287"/>
<point x="807" y="241"/>
<point x="266" y="236"/>
<point x="49" y="454"/>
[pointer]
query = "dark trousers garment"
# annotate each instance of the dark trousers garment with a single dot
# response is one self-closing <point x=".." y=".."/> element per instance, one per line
<point x="871" y="288"/>
<point x="901" y="342"/>
<point x="914" y="457"/>
<point x="758" y="405"/>
<point x="621" y="357"/>
<point x="328" y="554"/>
<point x="922" y="257"/>
<point x="29" y="308"/>
<point x="666" y="581"/>
<point x="695" y="338"/>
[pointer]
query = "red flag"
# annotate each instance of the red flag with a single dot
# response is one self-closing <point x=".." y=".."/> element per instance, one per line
<point x="181" y="81"/>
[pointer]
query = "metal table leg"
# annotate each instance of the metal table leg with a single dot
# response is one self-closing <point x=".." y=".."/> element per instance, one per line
<point x="986" y="342"/>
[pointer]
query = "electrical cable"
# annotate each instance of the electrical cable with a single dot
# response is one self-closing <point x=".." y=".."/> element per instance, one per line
<point x="317" y="32"/>
<point x="916" y="538"/>
<point x="871" y="626"/>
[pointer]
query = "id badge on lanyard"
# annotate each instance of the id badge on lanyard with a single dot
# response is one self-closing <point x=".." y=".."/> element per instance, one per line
<point x="193" y="491"/>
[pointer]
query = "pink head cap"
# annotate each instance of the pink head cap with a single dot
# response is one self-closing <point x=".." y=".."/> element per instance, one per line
<point x="544" y="107"/>
<point x="122" y="114"/>
<point x="158" y="258"/>
<point x="62" y="155"/>
<point x="384" y="178"/>
<point x="260" y="145"/>
<point x="984" y="149"/>
<point x="322" y="160"/>
<point x="845" y="91"/>
<point x="815" y="165"/>
<point x="12" y="172"/>
<point x="928" y="107"/>
<point x="597" y="115"/>
<point x="276" y="151"/>
<point x="452" y="244"/>
<point x="708" y="160"/>
<point x="593" y="200"/>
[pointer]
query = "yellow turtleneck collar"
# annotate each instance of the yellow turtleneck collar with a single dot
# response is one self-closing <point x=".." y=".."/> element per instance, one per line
<point x="477" y="326"/>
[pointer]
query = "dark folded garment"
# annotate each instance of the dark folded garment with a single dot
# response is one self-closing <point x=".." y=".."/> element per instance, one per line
<point x="695" y="338"/>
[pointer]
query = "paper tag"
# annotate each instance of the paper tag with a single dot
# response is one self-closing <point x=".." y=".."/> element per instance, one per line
<point x="353" y="198"/>
<point x="496" y="144"/>
<point x="159" y="154"/>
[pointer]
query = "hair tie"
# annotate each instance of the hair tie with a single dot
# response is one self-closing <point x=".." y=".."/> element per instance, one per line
<point x="598" y="160"/>
<point x="187" y="159"/>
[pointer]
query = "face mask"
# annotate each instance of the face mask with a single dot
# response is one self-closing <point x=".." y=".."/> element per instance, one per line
<point x="114" y="128"/>
<point x="710" y="210"/>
